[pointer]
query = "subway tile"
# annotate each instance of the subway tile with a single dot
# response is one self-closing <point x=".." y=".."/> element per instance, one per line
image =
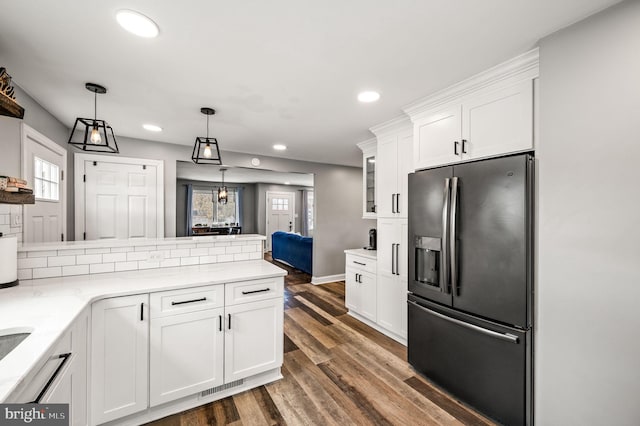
<point x="166" y="247"/>
<point x="240" y="256"/>
<point x="189" y="245"/>
<point x="126" y="266"/>
<point x="169" y="263"/>
<point x="121" y="249"/>
<point x="25" y="274"/>
<point x="145" y="248"/>
<point x="34" y="262"/>
<point x="114" y="257"/>
<point x="61" y="260"/>
<point x="42" y="253"/>
<point x="223" y="244"/>
<point x="4" y="209"/>
<point x="255" y="256"/>
<point x="22" y="255"/>
<point x="56" y="271"/>
<point x="145" y="264"/>
<point x="225" y="258"/>
<point x="239" y="243"/>
<point x="72" y="252"/>
<point x="97" y="250"/>
<point x="204" y="245"/>
<point x="75" y="270"/>
<point x="217" y="250"/>
<point x="208" y="259"/>
<point x="233" y="250"/>
<point x="185" y="261"/>
<point x="180" y="253"/>
<point x="249" y="248"/>
<point x="100" y="268"/>
<point x="86" y="259"/>
<point x="199" y="252"/>
<point x="137" y="255"/>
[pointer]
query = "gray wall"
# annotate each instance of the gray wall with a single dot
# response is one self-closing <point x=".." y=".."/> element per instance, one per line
<point x="249" y="213"/>
<point x="588" y="322"/>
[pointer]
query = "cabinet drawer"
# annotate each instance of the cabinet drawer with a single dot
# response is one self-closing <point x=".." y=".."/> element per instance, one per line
<point x="250" y="291"/>
<point x="165" y="303"/>
<point x="362" y="263"/>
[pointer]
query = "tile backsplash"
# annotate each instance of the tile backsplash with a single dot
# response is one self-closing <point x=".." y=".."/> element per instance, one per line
<point x="8" y="225"/>
<point x="60" y="262"/>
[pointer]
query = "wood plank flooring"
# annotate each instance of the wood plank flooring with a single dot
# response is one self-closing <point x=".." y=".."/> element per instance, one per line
<point x="337" y="371"/>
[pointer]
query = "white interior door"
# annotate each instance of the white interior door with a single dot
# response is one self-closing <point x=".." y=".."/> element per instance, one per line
<point x="44" y="166"/>
<point x="118" y="198"/>
<point x="280" y="213"/>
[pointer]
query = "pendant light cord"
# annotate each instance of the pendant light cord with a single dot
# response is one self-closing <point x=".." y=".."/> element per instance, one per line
<point x="207" y="128"/>
<point x="95" y="106"/>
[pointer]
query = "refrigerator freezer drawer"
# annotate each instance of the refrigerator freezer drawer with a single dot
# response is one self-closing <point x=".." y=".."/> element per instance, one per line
<point x="482" y="363"/>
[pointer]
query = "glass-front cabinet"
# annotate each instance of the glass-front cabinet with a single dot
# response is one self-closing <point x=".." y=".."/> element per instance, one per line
<point x="368" y="148"/>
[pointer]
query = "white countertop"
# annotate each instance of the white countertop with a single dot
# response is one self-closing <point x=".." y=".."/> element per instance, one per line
<point x="369" y="254"/>
<point x="48" y="306"/>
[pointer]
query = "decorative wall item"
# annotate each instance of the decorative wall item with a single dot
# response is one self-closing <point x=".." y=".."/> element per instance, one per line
<point x="8" y="104"/>
<point x="205" y="150"/>
<point x="98" y="135"/>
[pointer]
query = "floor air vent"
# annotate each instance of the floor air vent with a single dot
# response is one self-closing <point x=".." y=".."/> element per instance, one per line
<point x="220" y="388"/>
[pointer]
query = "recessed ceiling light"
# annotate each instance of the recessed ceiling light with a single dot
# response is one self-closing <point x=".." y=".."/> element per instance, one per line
<point x="152" y="127"/>
<point x="279" y="147"/>
<point x="368" y="96"/>
<point x="287" y="183"/>
<point x="136" y="23"/>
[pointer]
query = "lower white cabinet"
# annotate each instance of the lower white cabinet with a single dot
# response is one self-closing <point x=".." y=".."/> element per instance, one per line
<point x="360" y="283"/>
<point x="153" y="349"/>
<point x="253" y="338"/>
<point x="119" y="357"/>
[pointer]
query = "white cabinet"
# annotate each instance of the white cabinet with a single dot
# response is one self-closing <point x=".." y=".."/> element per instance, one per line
<point x="392" y="276"/>
<point x="487" y="115"/>
<point x="253" y="338"/>
<point x="360" y="286"/>
<point x="369" y="179"/>
<point x="119" y="357"/>
<point x="186" y="342"/>
<point x="394" y="162"/>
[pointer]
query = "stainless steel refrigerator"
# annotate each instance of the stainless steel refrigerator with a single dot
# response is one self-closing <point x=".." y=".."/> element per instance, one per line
<point x="470" y="283"/>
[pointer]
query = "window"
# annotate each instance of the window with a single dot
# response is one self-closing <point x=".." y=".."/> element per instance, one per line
<point x="280" y="204"/>
<point x="46" y="178"/>
<point x="206" y="211"/>
<point x="310" y="211"/>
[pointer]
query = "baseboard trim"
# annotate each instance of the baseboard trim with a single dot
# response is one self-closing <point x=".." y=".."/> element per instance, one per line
<point x="379" y="328"/>
<point x="327" y="279"/>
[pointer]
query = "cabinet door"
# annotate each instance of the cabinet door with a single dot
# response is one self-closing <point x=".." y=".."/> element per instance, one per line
<point x="499" y="122"/>
<point x="369" y="186"/>
<point x="119" y="357"/>
<point x="405" y="166"/>
<point x="253" y="338"/>
<point x="434" y="138"/>
<point x="368" y="296"/>
<point x="387" y="163"/>
<point x="186" y="354"/>
<point x="387" y="238"/>
<point x="392" y="287"/>
<point x="352" y="297"/>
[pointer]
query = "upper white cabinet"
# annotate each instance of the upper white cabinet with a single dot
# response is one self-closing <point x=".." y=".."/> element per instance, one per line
<point x="369" y="178"/>
<point x="487" y="115"/>
<point x="394" y="163"/>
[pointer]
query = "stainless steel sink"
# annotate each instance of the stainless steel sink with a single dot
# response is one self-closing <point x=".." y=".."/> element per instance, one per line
<point x="9" y="339"/>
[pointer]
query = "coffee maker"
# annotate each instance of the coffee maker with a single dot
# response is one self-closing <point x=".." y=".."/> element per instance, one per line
<point x="372" y="240"/>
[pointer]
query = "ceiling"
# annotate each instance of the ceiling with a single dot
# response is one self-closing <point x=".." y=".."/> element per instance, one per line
<point x="191" y="171"/>
<point x="281" y="71"/>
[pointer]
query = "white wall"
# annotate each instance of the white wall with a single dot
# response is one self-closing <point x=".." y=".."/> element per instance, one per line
<point x="587" y="364"/>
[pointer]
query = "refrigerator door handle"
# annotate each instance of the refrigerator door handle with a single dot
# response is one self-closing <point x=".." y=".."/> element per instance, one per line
<point x="445" y="232"/>
<point x="453" y="255"/>
<point x="502" y="336"/>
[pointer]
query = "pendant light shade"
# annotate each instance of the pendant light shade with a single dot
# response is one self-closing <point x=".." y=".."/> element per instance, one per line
<point x="205" y="150"/>
<point x="96" y="135"/>
<point x="222" y="190"/>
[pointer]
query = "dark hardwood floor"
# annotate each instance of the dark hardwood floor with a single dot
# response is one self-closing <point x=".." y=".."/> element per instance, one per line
<point x="337" y="371"/>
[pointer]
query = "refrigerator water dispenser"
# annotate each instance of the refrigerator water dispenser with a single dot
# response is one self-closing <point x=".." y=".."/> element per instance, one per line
<point x="427" y="261"/>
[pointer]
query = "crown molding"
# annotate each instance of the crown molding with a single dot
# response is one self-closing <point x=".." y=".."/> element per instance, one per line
<point x="518" y="68"/>
<point x="368" y="145"/>
<point x="394" y="125"/>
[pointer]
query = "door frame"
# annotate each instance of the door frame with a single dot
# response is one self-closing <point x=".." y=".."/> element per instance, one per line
<point x="266" y="213"/>
<point x="78" y="168"/>
<point x="26" y="133"/>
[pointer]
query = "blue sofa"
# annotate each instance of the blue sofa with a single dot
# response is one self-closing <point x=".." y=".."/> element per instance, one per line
<point x="292" y="249"/>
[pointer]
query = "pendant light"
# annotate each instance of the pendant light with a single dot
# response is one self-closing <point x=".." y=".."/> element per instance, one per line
<point x="222" y="191"/>
<point x="205" y="150"/>
<point x="98" y="135"/>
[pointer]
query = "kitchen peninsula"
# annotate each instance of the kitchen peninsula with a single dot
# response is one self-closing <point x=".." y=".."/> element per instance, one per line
<point x="106" y="341"/>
